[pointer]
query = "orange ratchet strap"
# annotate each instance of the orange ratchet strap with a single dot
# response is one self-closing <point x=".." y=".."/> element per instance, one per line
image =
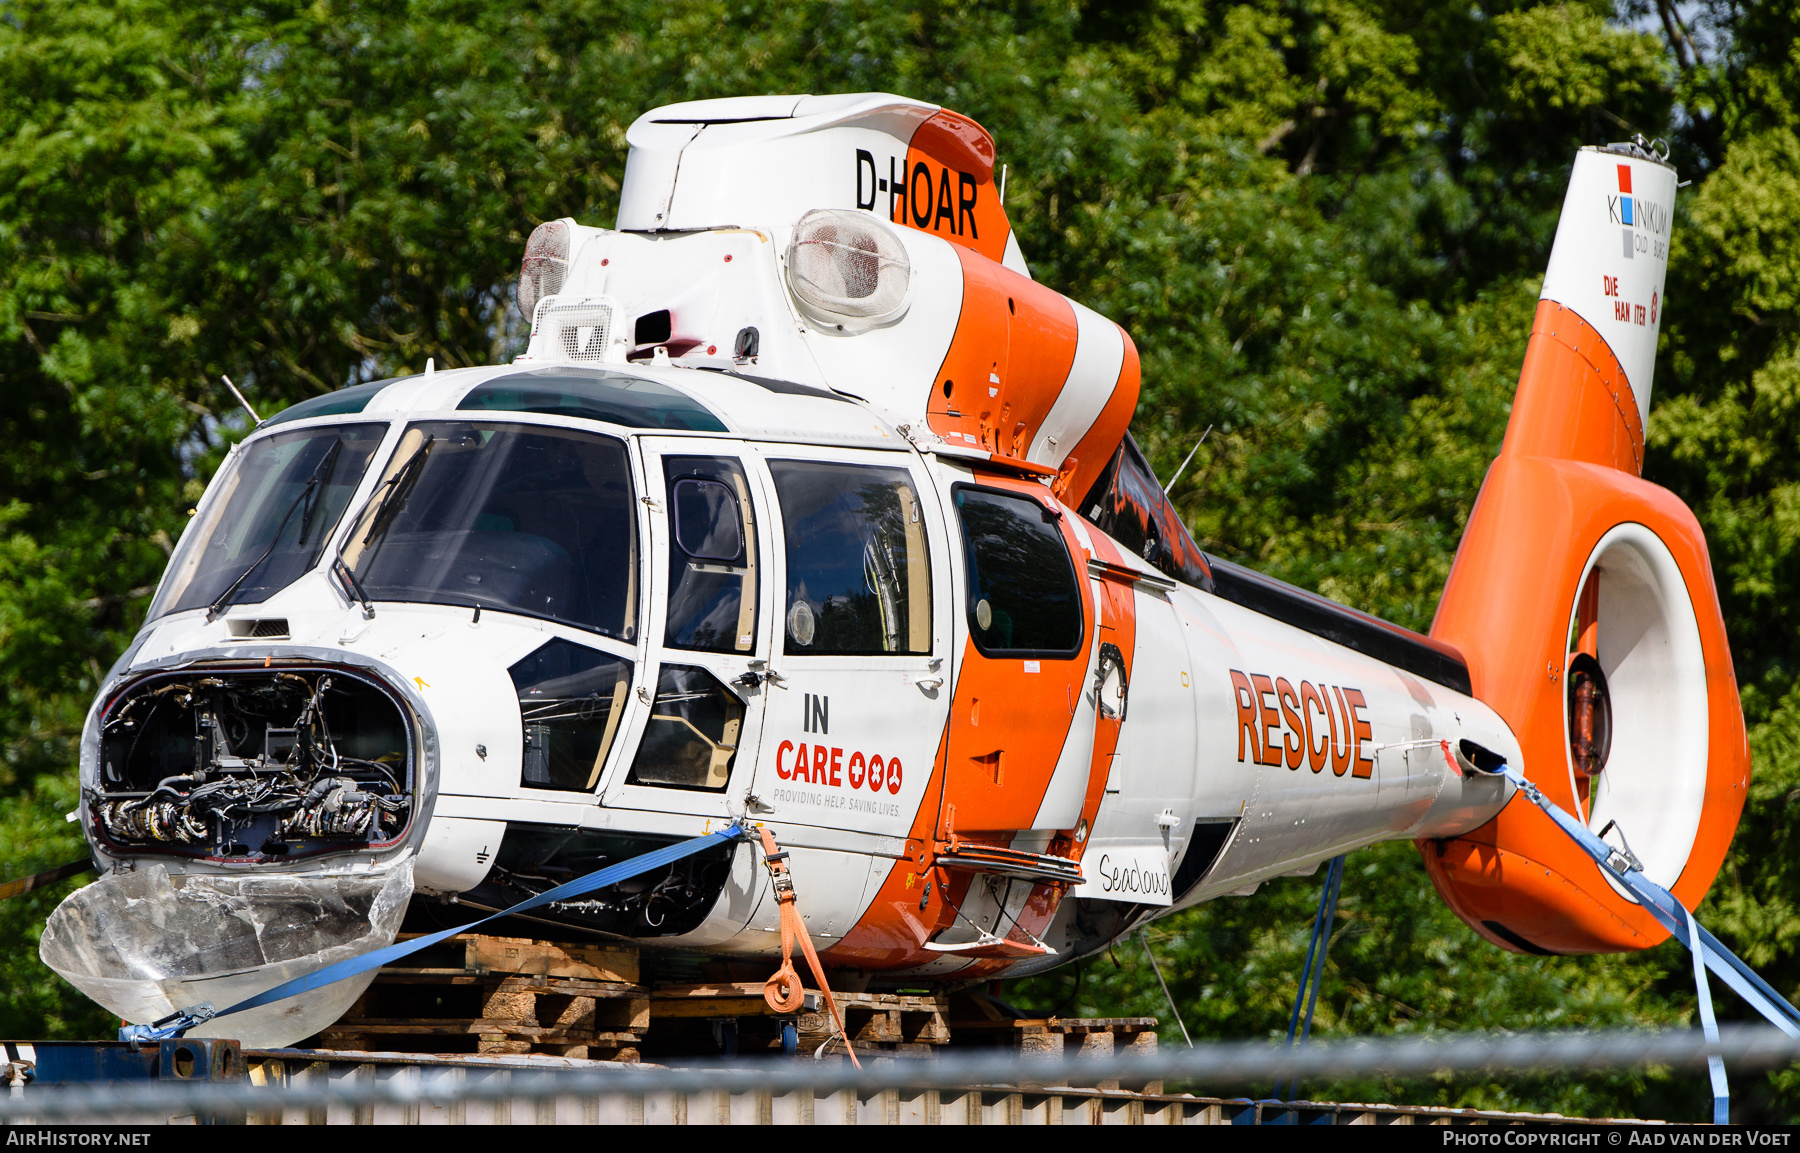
<point x="782" y="991"/>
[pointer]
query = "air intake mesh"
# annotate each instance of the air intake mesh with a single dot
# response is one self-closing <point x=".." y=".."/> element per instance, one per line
<point x="578" y="330"/>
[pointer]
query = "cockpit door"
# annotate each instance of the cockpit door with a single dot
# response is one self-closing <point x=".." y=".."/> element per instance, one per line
<point x="707" y="629"/>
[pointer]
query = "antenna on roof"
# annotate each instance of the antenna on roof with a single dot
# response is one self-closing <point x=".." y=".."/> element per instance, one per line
<point x="240" y="398"/>
<point x="1184" y="462"/>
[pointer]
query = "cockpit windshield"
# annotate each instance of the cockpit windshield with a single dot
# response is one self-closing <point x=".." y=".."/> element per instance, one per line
<point x="270" y="516"/>
<point x="526" y="518"/>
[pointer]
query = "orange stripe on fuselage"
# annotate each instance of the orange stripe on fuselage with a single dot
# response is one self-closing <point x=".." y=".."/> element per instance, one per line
<point x="898" y="922"/>
<point x="1007" y="363"/>
<point x="1117" y="617"/>
<point x="1094" y="450"/>
<point x="1118" y="624"/>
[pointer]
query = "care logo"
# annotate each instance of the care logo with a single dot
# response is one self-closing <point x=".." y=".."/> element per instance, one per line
<point x="819" y="764"/>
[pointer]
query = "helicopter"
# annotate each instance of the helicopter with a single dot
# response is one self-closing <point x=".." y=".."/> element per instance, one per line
<point x="807" y="506"/>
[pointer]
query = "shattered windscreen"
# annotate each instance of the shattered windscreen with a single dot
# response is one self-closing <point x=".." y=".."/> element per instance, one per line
<point x="272" y="510"/>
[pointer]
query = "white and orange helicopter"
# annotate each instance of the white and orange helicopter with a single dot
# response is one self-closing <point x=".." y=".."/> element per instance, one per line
<point x="808" y="508"/>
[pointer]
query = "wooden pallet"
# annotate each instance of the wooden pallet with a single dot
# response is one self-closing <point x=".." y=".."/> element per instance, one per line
<point x="875" y="1022"/>
<point x="1053" y="1036"/>
<point x="474" y="954"/>
<point x="517" y="996"/>
<point x="1091" y="1035"/>
<point x="502" y="995"/>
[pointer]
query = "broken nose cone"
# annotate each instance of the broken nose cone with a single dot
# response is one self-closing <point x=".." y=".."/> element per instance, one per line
<point x="145" y="944"/>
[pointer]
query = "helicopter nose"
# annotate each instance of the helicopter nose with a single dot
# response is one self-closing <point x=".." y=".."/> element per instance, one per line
<point x="282" y="763"/>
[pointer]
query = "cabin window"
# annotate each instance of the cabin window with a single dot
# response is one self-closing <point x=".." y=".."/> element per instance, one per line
<point x="858" y="572"/>
<point x="571" y="699"/>
<point x="268" y="518"/>
<point x="1023" y="597"/>
<point x="523" y="518"/>
<point x="693" y="732"/>
<point x="712" y="556"/>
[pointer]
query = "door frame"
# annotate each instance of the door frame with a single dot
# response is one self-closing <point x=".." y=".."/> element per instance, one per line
<point x="909" y="687"/>
<point x="730" y="669"/>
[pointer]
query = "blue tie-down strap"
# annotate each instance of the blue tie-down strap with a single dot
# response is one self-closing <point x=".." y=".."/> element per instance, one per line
<point x="1715" y="1064"/>
<point x="1623" y="866"/>
<point x="177" y="1024"/>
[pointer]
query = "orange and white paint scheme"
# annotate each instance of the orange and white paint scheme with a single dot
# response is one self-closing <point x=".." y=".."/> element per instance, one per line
<point x="807" y="506"/>
<point x="1613" y="601"/>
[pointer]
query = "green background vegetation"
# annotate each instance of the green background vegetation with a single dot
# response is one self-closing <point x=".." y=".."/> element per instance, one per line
<point x="1324" y="222"/>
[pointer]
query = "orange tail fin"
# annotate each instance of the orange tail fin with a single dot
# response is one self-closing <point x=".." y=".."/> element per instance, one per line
<point x="1583" y="599"/>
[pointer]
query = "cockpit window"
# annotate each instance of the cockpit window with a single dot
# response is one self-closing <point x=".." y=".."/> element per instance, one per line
<point x="594" y="395"/>
<point x="271" y="512"/>
<point x="525" y="518"/>
<point x="712" y="556"/>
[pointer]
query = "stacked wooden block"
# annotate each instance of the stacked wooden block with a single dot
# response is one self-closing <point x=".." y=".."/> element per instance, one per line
<point x="876" y="1022"/>
<point x="476" y="994"/>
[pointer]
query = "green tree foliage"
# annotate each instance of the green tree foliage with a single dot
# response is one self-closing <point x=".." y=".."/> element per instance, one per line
<point x="1725" y="434"/>
<point x="1323" y="221"/>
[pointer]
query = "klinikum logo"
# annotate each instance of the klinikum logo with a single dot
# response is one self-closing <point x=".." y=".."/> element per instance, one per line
<point x="1646" y="224"/>
<point x="1620" y="208"/>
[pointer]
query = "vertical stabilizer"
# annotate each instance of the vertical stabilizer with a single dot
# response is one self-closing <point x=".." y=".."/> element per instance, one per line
<point x="1583" y="600"/>
<point x="1584" y="392"/>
